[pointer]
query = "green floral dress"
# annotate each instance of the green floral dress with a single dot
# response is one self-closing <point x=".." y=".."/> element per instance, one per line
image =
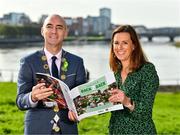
<point x="141" y="86"/>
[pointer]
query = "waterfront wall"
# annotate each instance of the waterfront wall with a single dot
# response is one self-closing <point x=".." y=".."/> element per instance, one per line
<point x="11" y="76"/>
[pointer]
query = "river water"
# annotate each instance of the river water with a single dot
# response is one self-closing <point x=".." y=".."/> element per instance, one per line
<point x="164" y="55"/>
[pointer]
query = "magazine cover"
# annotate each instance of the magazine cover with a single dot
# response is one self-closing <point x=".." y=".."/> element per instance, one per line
<point x="84" y="100"/>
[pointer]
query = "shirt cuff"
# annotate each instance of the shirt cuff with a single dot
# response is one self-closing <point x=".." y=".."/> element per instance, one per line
<point x="32" y="104"/>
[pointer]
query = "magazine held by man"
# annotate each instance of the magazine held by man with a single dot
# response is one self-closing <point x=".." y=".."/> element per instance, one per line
<point x="85" y="100"/>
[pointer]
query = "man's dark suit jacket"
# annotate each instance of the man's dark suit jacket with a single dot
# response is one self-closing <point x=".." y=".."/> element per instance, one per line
<point x="38" y="120"/>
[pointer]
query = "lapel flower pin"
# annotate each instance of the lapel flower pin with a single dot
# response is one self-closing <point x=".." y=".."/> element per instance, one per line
<point x="65" y="64"/>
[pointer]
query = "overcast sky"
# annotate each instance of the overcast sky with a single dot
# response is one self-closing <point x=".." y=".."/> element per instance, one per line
<point x="151" y="13"/>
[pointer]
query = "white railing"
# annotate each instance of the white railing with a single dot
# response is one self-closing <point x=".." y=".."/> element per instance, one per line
<point x="174" y="81"/>
<point x="8" y="75"/>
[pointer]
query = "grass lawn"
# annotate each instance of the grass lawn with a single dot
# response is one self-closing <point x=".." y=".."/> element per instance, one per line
<point x="166" y="114"/>
<point x="11" y="119"/>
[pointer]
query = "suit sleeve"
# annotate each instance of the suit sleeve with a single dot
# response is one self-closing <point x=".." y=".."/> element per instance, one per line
<point x="25" y="84"/>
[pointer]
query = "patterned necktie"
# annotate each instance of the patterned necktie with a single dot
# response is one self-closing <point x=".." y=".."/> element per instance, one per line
<point x="54" y="68"/>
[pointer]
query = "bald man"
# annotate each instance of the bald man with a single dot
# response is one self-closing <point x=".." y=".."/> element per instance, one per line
<point x="40" y="118"/>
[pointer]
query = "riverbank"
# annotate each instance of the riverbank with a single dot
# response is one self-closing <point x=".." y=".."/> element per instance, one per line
<point x="12" y="78"/>
<point x="20" y="40"/>
<point x="30" y="42"/>
<point x="169" y="88"/>
<point x="40" y="39"/>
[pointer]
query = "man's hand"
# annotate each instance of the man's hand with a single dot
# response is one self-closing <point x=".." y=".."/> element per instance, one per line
<point x="40" y="92"/>
<point x="72" y="116"/>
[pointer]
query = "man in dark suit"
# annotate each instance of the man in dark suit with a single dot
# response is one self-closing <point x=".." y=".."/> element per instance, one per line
<point x="40" y="119"/>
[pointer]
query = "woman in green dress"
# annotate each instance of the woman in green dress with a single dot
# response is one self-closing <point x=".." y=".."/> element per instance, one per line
<point x="137" y="81"/>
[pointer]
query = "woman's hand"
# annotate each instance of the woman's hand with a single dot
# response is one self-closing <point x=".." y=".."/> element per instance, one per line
<point x="72" y="116"/>
<point x="117" y="96"/>
<point x="120" y="96"/>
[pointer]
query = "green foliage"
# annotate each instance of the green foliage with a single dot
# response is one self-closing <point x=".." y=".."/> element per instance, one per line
<point x="165" y="114"/>
<point x="9" y="31"/>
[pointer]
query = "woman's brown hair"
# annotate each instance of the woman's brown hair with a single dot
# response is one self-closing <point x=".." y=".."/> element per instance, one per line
<point x="137" y="57"/>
